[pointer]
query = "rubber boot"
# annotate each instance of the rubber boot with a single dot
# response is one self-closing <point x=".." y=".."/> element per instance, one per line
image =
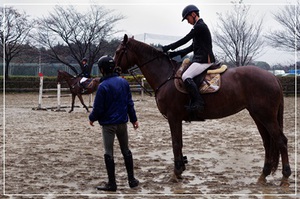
<point x="110" y="168"/>
<point x="129" y="167"/>
<point x="197" y="103"/>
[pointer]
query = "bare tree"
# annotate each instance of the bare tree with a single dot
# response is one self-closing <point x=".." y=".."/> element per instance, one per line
<point x="14" y="33"/>
<point x="83" y="33"/>
<point x="288" y="38"/>
<point x="237" y="37"/>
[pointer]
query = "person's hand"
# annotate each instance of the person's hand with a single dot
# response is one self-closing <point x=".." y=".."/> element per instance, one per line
<point x="165" y="48"/>
<point x="135" y="125"/>
<point x="173" y="54"/>
<point x="91" y="123"/>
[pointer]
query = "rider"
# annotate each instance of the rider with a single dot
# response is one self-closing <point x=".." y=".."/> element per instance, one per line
<point x="112" y="106"/>
<point x="85" y="73"/>
<point x="203" y="53"/>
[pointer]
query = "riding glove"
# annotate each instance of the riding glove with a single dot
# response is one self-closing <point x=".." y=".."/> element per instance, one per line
<point x="174" y="54"/>
<point x="167" y="48"/>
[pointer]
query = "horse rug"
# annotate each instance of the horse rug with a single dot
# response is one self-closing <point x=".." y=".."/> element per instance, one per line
<point x="210" y="84"/>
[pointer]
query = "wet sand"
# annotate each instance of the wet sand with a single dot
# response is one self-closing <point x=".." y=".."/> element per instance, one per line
<point x="52" y="154"/>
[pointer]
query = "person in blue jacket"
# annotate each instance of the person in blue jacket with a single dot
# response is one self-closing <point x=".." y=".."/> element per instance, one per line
<point x="112" y="106"/>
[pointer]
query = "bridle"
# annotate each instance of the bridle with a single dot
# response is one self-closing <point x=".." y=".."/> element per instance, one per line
<point x="125" y="48"/>
<point x="124" y="51"/>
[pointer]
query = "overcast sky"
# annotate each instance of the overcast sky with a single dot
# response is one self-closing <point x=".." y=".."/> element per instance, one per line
<point x="164" y="17"/>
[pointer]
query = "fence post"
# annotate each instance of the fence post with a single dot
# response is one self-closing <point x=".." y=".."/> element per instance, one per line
<point x="41" y="90"/>
<point x="91" y="100"/>
<point x="143" y="86"/>
<point x="58" y="96"/>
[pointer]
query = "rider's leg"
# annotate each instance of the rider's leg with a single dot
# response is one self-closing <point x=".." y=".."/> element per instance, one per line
<point x="81" y="83"/>
<point x="187" y="77"/>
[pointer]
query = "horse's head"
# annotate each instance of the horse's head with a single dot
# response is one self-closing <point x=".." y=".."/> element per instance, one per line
<point x="63" y="76"/>
<point x="123" y="58"/>
<point x="59" y="76"/>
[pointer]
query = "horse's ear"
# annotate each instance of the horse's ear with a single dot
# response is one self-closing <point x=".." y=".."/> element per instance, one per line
<point x="125" y="39"/>
<point x="132" y="37"/>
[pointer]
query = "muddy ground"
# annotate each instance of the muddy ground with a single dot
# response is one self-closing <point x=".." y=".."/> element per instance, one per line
<point x="49" y="154"/>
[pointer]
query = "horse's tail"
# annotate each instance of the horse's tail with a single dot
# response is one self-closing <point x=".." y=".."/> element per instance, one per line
<point x="281" y="108"/>
<point x="275" y="152"/>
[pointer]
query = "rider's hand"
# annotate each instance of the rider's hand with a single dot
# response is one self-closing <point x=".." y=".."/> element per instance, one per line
<point x="173" y="54"/>
<point x="165" y="48"/>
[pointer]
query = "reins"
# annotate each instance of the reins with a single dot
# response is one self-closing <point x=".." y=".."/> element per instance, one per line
<point x="136" y="79"/>
<point x="124" y="51"/>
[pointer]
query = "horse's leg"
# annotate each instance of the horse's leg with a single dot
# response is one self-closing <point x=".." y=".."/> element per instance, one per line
<point x="286" y="169"/>
<point x="281" y="143"/>
<point x="81" y="100"/>
<point x="268" y="159"/>
<point x="275" y="145"/>
<point x="73" y="102"/>
<point x="176" y="133"/>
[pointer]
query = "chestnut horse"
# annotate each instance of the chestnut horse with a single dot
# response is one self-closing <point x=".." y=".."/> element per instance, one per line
<point x="75" y="88"/>
<point x="246" y="87"/>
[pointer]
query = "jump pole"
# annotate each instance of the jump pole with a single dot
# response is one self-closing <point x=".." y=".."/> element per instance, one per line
<point x="41" y="96"/>
<point x="40" y="91"/>
<point x="91" y="100"/>
<point x="58" y="96"/>
<point x="142" y="91"/>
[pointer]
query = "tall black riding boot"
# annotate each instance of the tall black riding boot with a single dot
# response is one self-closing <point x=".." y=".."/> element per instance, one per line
<point x="110" y="168"/>
<point x="197" y="103"/>
<point x="129" y="167"/>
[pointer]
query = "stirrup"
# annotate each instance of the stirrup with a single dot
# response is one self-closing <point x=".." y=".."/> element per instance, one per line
<point x="195" y="107"/>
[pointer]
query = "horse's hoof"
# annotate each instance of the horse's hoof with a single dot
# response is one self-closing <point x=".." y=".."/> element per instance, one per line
<point x="262" y="180"/>
<point x="284" y="182"/>
<point x="70" y="111"/>
<point x="173" y="178"/>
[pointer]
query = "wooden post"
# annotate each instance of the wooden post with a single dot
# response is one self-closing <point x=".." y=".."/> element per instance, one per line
<point x="41" y="90"/>
<point x="58" y="96"/>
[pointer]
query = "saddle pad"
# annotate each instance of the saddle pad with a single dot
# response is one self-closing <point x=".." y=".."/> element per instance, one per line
<point x="88" y="83"/>
<point x="211" y="84"/>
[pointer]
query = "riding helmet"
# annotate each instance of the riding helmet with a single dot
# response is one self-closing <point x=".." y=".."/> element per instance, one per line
<point x="106" y="63"/>
<point x="188" y="10"/>
<point x="84" y="59"/>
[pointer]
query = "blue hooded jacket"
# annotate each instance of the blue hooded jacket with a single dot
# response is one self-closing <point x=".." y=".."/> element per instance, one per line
<point x="113" y="102"/>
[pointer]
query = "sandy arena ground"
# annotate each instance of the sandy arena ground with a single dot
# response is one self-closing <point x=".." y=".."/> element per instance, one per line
<point x="52" y="154"/>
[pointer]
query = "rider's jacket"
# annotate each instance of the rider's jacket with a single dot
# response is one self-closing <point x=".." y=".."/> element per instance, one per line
<point x="113" y="102"/>
<point x="85" y="71"/>
<point x="202" y="43"/>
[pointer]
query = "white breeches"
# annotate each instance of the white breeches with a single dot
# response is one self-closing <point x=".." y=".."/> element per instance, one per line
<point x="194" y="70"/>
<point x="83" y="79"/>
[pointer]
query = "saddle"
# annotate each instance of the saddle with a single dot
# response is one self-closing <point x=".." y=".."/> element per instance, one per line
<point x="209" y="81"/>
<point x="90" y="83"/>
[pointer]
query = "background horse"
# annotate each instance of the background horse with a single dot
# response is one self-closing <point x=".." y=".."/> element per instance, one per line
<point x="246" y="87"/>
<point x="75" y="88"/>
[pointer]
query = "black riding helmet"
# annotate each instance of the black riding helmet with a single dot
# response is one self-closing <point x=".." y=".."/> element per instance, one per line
<point x="188" y="10"/>
<point x="107" y="64"/>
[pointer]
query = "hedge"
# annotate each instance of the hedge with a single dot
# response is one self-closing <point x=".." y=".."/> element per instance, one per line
<point x="29" y="83"/>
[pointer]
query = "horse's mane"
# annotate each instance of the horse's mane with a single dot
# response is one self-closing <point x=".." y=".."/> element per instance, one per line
<point x="65" y="72"/>
<point x="143" y="47"/>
